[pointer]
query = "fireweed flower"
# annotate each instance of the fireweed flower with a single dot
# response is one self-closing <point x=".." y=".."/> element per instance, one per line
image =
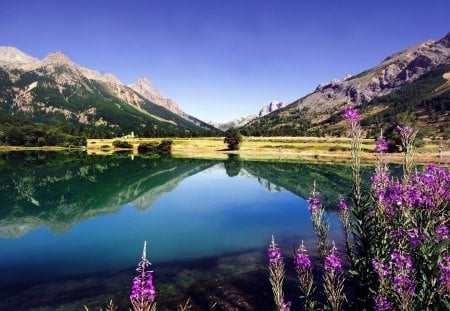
<point x="403" y="271"/>
<point x="415" y="239"/>
<point x="315" y="206"/>
<point x="441" y="233"/>
<point x="332" y="261"/>
<point x="276" y="275"/>
<point x="382" y="304"/>
<point x="404" y="285"/>
<point x="381" y="269"/>
<point x="381" y="145"/>
<point x="301" y="258"/>
<point x="142" y="291"/>
<point x="342" y="206"/>
<point x="314" y="202"/>
<point x="351" y="114"/>
<point x="444" y="278"/>
<point x="333" y="280"/>
<point x="303" y="267"/>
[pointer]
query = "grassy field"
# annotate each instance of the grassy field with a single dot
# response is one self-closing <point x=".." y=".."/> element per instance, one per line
<point x="269" y="148"/>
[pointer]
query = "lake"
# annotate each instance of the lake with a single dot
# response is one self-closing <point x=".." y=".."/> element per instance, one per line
<point x="72" y="227"/>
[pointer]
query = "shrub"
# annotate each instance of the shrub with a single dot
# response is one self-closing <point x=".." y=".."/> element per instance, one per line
<point x="148" y="147"/>
<point x="233" y="138"/>
<point x="122" y="144"/>
<point x="164" y="148"/>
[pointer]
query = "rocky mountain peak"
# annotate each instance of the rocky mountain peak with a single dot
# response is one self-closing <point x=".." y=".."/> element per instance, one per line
<point x="57" y="57"/>
<point x="445" y="41"/>
<point x="144" y="87"/>
<point x="9" y="54"/>
<point x="272" y="106"/>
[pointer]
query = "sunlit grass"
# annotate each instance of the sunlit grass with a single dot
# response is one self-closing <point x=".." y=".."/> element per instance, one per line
<point x="266" y="148"/>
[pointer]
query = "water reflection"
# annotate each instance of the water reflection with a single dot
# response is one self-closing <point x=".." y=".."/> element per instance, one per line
<point x="77" y="222"/>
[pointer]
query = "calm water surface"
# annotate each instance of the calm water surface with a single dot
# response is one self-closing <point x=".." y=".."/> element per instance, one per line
<point x="72" y="227"/>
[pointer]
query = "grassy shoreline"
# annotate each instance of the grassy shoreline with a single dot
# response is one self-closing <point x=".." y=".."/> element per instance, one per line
<point x="328" y="149"/>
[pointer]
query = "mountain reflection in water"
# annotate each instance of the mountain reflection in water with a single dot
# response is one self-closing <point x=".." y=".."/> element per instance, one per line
<point x="72" y="226"/>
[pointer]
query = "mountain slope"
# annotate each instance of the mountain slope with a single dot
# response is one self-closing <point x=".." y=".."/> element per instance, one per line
<point x="56" y="91"/>
<point x="310" y="115"/>
<point x="144" y="87"/>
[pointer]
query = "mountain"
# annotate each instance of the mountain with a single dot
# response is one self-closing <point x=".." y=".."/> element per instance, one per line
<point x="144" y="87"/>
<point x="56" y="91"/>
<point x="271" y="107"/>
<point x="242" y="121"/>
<point x="314" y="114"/>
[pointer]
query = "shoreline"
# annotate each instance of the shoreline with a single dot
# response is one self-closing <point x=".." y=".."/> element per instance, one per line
<point x="292" y="149"/>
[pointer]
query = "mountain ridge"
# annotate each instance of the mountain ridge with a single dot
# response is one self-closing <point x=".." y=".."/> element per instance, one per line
<point x="310" y="114"/>
<point x="242" y="121"/>
<point x="57" y="91"/>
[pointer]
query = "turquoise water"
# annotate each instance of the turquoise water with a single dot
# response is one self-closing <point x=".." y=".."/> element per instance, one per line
<point x="72" y="227"/>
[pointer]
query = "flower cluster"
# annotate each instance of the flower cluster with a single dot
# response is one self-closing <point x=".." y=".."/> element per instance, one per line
<point x="333" y="262"/>
<point x="142" y="291"/>
<point x="301" y="258"/>
<point x="303" y="267"/>
<point x="276" y="276"/>
<point x="342" y="206"/>
<point x="415" y="238"/>
<point x="314" y="202"/>
<point x="274" y="253"/>
<point x="441" y="233"/>
<point x="403" y="270"/>
<point x="426" y="190"/>
<point x="382" y="304"/>
<point x="381" y="145"/>
<point x="351" y="115"/>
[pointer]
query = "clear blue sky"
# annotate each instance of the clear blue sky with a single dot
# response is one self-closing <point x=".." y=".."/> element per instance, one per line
<point x="220" y="59"/>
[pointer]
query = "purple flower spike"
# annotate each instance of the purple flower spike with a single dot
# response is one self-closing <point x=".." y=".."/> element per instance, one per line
<point x="342" y="206"/>
<point x="441" y="233"/>
<point x="315" y="203"/>
<point x="274" y="253"/>
<point x="381" y="145"/>
<point x="403" y="285"/>
<point x="142" y="291"/>
<point x="351" y="114"/>
<point x="332" y="261"/>
<point x="301" y="259"/>
<point x="382" y="304"/>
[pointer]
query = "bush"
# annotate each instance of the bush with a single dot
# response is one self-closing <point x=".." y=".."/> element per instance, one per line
<point x="164" y="148"/>
<point x="148" y="148"/>
<point x="233" y="138"/>
<point x="122" y="144"/>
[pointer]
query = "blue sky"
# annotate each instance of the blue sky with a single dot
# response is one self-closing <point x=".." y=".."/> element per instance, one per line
<point x="221" y="59"/>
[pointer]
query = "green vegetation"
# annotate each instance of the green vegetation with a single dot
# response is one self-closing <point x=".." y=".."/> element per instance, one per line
<point x="233" y="138"/>
<point x="423" y="103"/>
<point x="284" y="122"/>
<point x="88" y="109"/>
<point x="19" y="133"/>
<point x="122" y="144"/>
<point x="163" y="149"/>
